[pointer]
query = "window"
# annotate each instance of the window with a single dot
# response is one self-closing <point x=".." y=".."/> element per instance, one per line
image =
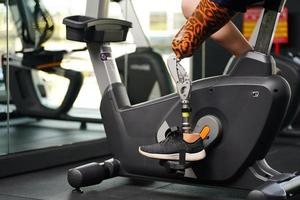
<point x="158" y="21"/>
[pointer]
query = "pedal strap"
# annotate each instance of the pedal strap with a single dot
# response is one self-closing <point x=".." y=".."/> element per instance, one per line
<point x="182" y="160"/>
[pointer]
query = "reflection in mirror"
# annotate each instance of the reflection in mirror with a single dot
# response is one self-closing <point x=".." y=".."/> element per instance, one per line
<point x="3" y="94"/>
<point x="47" y="74"/>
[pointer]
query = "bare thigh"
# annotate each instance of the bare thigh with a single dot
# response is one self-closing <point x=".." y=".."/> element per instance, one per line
<point x="188" y="7"/>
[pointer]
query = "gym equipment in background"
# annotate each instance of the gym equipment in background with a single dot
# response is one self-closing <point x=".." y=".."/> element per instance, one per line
<point x="27" y="91"/>
<point x="146" y="75"/>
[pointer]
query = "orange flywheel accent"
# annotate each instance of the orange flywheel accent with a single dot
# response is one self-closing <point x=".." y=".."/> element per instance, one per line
<point x="204" y="132"/>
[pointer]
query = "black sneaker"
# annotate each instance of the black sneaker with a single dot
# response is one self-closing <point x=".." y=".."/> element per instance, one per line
<point x="169" y="149"/>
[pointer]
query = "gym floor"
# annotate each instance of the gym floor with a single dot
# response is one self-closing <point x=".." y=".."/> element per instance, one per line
<point x="51" y="184"/>
<point x="34" y="134"/>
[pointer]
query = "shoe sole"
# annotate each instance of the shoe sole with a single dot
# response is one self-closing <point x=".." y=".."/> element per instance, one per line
<point x="175" y="156"/>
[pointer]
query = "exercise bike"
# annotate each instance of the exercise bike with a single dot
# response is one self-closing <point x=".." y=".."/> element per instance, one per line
<point x="244" y="111"/>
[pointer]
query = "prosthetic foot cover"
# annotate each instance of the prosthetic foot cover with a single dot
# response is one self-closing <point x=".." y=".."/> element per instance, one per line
<point x="207" y="18"/>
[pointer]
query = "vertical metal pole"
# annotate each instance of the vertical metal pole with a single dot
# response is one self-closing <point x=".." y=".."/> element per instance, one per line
<point x="97" y="8"/>
<point x="268" y="25"/>
<point x="254" y="34"/>
<point x="104" y="64"/>
<point x="264" y="38"/>
<point x="7" y="79"/>
<point x="203" y="59"/>
<point x="137" y="31"/>
<point x="126" y="74"/>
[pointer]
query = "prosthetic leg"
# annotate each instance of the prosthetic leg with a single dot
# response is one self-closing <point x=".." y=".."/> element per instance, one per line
<point x="204" y="127"/>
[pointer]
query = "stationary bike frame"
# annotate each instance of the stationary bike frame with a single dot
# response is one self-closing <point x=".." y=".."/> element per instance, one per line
<point x="249" y="131"/>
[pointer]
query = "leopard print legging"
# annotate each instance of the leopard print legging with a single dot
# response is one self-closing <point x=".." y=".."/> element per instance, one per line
<point x="207" y="18"/>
